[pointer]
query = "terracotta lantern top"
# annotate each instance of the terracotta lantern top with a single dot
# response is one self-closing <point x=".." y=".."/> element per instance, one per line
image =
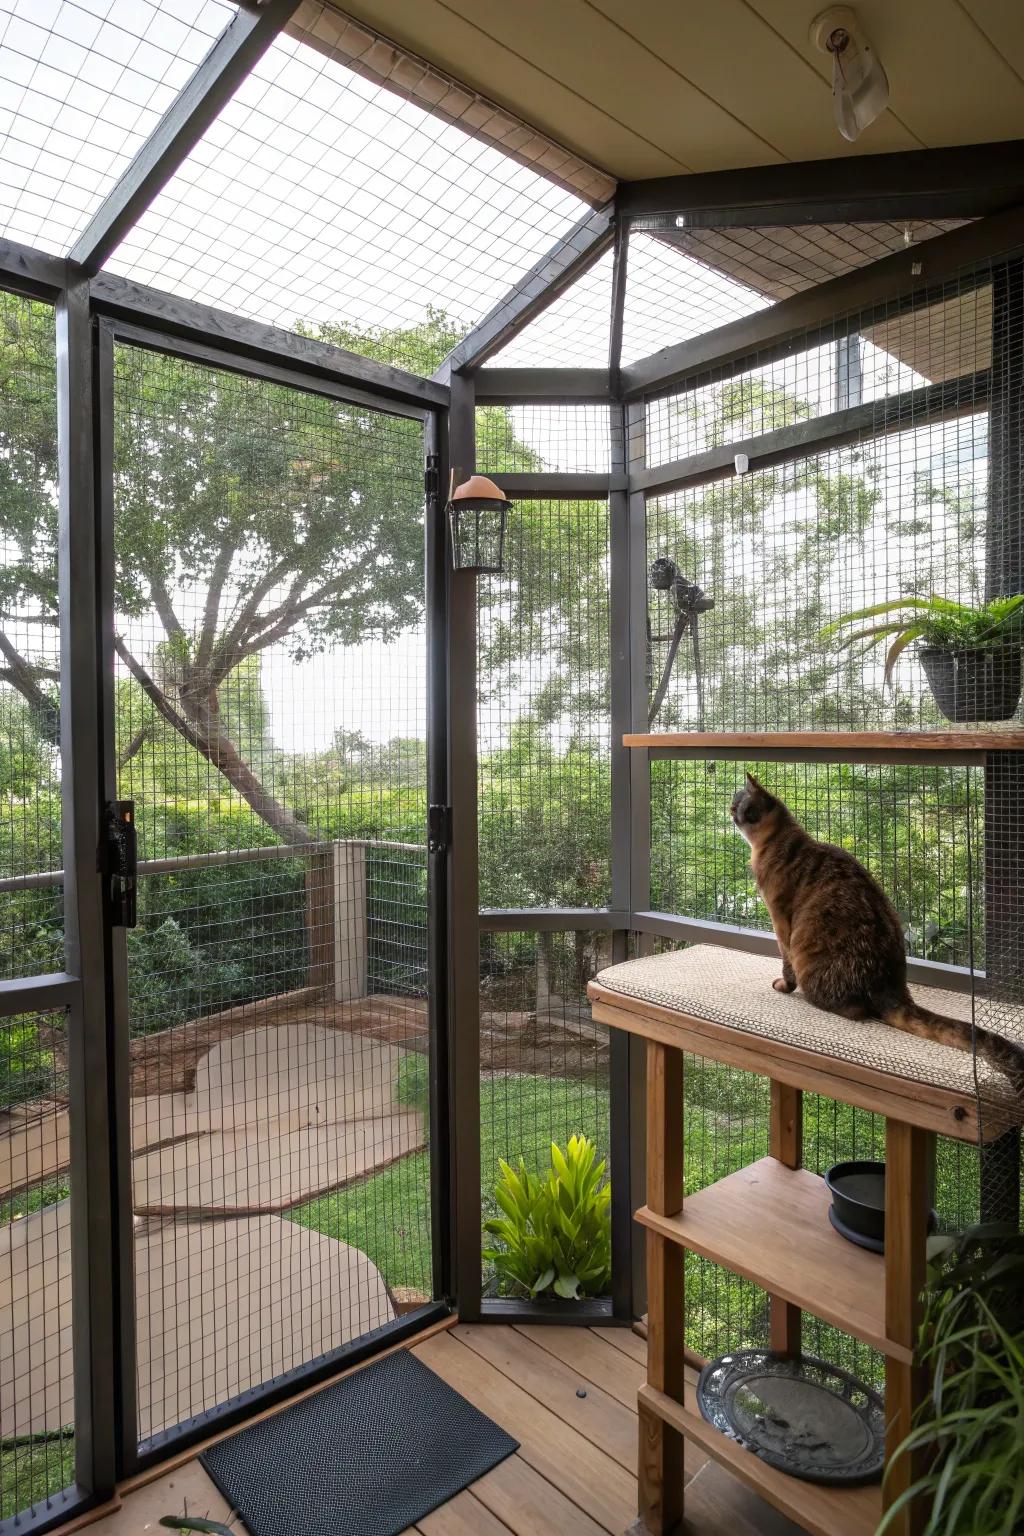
<point x="478" y="487"/>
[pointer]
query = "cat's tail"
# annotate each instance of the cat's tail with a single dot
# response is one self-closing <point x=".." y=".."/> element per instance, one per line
<point x="1003" y="1054"/>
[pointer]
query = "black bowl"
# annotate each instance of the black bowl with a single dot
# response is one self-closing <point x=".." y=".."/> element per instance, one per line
<point x="858" y="1204"/>
<point x="858" y="1197"/>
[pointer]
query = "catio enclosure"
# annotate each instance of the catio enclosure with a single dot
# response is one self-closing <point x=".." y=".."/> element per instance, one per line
<point x="256" y="1072"/>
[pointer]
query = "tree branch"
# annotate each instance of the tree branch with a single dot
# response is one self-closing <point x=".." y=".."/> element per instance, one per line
<point x="135" y="746"/>
<point x="25" y="678"/>
<point x="211" y="608"/>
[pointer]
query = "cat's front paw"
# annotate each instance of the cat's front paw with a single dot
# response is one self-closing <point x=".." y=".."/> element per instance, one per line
<point x="782" y="985"/>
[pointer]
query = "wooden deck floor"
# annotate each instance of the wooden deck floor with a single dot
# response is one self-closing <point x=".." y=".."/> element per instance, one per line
<point x="574" y="1474"/>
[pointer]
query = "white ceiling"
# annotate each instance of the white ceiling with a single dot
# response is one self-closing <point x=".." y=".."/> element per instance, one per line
<point x="658" y="87"/>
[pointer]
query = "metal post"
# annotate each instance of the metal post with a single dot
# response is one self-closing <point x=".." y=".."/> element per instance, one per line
<point x="438" y="857"/>
<point x="464" y="885"/>
<point x="1004" y="771"/>
<point x="638" y="767"/>
<point x="620" y="1053"/>
<point x="93" y="1226"/>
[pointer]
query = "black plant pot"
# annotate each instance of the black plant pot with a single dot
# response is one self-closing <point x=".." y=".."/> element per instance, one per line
<point x="983" y="683"/>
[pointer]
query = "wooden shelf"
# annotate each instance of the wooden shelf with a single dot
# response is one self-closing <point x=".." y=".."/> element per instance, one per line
<point x="770" y="1224"/>
<point x="935" y="748"/>
<point x="821" y="1511"/>
<point x="759" y="742"/>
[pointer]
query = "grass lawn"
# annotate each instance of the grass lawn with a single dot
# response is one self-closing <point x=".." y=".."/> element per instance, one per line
<point x="29" y="1472"/>
<point x="388" y="1214"/>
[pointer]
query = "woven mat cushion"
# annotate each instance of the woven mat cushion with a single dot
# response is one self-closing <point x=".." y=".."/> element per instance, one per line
<point x="730" y="987"/>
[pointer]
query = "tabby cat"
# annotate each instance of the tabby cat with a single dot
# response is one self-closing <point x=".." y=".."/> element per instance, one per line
<point x="840" y="937"/>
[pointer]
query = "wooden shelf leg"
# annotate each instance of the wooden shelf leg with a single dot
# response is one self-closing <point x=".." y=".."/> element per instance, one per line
<point x="906" y="1226"/>
<point x="786" y="1143"/>
<point x="660" y="1468"/>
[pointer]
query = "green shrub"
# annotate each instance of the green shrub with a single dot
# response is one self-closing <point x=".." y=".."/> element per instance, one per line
<point x="970" y="1429"/>
<point x="556" y="1230"/>
<point x="26" y="1064"/>
<point x="170" y="980"/>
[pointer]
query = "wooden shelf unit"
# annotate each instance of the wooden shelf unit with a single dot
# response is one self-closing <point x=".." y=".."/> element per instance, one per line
<point x="770" y="1224"/>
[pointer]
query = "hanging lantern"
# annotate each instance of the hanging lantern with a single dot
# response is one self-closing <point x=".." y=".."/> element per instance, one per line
<point x="476" y="515"/>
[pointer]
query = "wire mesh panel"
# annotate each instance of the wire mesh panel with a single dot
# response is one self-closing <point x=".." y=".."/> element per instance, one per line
<point x="573" y="332"/>
<point x="544" y="1066"/>
<point x="270" y="701"/>
<point x="36" y="1367"/>
<point x="543" y="719"/>
<point x="522" y="439"/>
<point x="320" y="198"/>
<point x="83" y="86"/>
<point x="544" y="819"/>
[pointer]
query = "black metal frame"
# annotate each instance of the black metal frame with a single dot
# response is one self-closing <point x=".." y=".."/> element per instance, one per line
<point x="983" y="181"/>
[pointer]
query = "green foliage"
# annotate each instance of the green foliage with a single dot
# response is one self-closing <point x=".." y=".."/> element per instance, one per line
<point x="935" y="621"/>
<point x="413" y="1086"/>
<point x="556" y="1229"/>
<point x="26" y="1061"/>
<point x="197" y="1524"/>
<point x="33" y="1468"/>
<point x="171" y="981"/>
<point x="971" y="1428"/>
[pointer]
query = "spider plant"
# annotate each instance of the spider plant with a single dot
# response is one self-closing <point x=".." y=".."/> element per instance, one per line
<point x="197" y="1524"/>
<point x="970" y="1430"/>
<point x="935" y="621"/>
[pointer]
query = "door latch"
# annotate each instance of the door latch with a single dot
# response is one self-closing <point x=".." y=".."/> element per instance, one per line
<point x="432" y="477"/>
<point x="439" y="828"/>
<point x="122" y="864"/>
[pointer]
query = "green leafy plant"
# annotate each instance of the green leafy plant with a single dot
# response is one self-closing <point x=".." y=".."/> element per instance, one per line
<point x="970" y="1430"/>
<point x="936" y="621"/>
<point x="197" y="1524"/>
<point x="556" y="1228"/>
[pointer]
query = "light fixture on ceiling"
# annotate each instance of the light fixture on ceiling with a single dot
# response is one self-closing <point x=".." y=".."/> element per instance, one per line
<point x="860" y="87"/>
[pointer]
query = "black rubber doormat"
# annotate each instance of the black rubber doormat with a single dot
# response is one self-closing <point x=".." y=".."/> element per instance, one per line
<point x="368" y="1457"/>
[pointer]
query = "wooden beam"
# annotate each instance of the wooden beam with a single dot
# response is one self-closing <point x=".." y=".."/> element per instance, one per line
<point x="257" y="342"/>
<point x="785" y="1143"/>
<point x="31" y="272"/>
<point x="240" y="46"/>
<point x="573" y="255"/>
<point x="906" y="1226"/>
<point x="542" y="386"/>
<point x="878" y="418"/>
<point x="961" y="181"/>
<point x="852" y="302"/>
<point x="554" y="484"/>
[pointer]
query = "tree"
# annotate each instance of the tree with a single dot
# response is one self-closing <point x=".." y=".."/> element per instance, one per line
<point x="246" y="515"/>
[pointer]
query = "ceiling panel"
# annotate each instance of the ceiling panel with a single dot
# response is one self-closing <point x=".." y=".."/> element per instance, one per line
<point x="949" y="84"/>
<point x="743" y="63"/>
<point x="651" y="87"/>
<point x="432" y="30"/>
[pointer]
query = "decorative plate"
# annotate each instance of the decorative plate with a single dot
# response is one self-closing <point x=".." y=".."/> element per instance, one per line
<point x="804" y="1416"/>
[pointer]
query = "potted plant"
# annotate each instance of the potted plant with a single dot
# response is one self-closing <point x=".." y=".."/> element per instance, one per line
<point x="970" y="1429"/>
<point x="971" y="656"/>
<point x="556" y="1231"/>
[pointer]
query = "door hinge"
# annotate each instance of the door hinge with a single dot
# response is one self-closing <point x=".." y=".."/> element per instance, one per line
<point x="432" y="476"/>
<point x="439" y="828"/>
<point x="121" y="865"/>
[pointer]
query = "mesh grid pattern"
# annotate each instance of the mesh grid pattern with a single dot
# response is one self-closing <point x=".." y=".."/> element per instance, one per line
<point x="671" y="297"/>
<point x="919" y="830"/>
<point x="522" y="439"/>
<point x="543" y="1060"/>
<point x="573" y="332"/>
<point x="321" y="199"/>
<point x="271" y="729"/>
<point x="84" y="83"/>
<point x="787" y="551"/>
<point x="543" y="723"/>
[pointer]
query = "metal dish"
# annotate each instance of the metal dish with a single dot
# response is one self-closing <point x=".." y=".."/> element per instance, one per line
<point x="801" y="1415"/>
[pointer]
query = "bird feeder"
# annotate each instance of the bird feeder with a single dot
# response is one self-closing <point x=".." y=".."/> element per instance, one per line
<point x="476" y="515"/>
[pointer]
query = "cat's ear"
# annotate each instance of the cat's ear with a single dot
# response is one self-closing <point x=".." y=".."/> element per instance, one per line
<point x="754" y="785"/>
